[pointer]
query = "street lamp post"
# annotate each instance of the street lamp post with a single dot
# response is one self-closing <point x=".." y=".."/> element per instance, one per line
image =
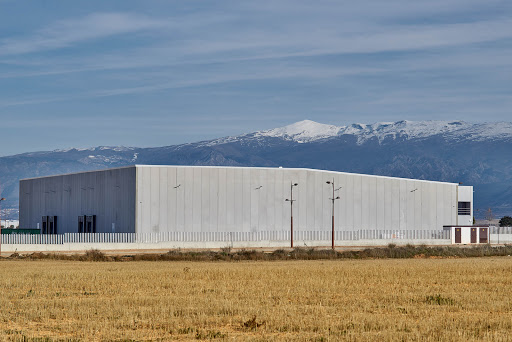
<point x="291" y="200"/>
<point x="333" y="199"/>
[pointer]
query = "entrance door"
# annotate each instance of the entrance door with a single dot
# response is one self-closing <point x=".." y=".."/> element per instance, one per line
<point x="51" y="225"/>
<point x="90" y="224"/>
<point x="44" y="228"/>
<point x="81" y="224"/>
<point x="457" y="235"/>
<point x="483" y="235"/>
<point x="473" y="235"/>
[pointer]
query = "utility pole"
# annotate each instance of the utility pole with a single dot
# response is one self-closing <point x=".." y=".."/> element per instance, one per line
<point x="291" y="200"/>
<point x="489" y="217"/>
<point x="333" y="199"/>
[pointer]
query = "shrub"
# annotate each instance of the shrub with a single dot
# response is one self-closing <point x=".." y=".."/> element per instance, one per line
<point x="439" y="300"/>
<point x="95" y="255"/>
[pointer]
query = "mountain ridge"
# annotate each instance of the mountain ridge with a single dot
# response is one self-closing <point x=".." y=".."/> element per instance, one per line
<point x="454" y="151"/>
<point x="308" y="131"/>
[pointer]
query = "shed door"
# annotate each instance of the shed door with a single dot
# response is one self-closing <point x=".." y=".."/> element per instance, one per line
<point x="457" y="235"/>
<point x="473" y="235"/>
<point x="483" y="235"/>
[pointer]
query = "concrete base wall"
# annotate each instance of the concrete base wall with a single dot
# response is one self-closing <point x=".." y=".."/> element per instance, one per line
<point x="77" y="247"/>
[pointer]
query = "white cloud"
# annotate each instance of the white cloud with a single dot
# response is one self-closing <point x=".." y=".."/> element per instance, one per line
<point x="258" y="41"/>
<point x="201" y="39"/>
<point x="68" y="32"/>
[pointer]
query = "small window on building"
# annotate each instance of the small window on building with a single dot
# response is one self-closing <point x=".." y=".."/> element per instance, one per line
<point x="464" y="208"/>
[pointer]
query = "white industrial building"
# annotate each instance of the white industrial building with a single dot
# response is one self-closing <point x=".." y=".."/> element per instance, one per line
<point x="206" y="203"/>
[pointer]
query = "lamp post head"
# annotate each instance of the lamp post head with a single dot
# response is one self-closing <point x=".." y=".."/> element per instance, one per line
<point x="328" y="182"/>
<point x="287" y="200"/>
<point x="337" y="197"/>
<point x="295" y="184"/>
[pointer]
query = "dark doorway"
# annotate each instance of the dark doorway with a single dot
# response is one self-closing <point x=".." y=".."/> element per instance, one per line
<point x="90" y="224"/>
<point x="52" y="224"/>
<point x="473" y="235"/>
<point x="81" y="224"/>
<point x="49" y="225"/>
<point x="44" y="226"/>
<point x="483" y="235"/>
<point x="457" y="235"/>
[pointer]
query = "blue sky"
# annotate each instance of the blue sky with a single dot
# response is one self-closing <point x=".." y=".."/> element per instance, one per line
<point x="154" y="73"/>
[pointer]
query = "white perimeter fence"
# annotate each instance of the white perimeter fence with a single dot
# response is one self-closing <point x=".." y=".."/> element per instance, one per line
<point x="500" y="235"/>
<point x="226" y="237"/>
<point x="500" y="230"/>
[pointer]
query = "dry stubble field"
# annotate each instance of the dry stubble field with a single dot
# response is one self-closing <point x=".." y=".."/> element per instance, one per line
<point x="362" y="300"/>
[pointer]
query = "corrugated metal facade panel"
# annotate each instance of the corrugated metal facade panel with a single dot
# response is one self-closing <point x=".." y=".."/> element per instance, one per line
<point x="218" y="199"/>
<point x="108" y="194"/>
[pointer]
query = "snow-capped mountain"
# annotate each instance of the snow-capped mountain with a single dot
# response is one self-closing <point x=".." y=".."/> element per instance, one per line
<point x="302" y="131"/>
<point x="454" y="151"/>
<point x="308" y="131"/>
<point x="99" y="148"/>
